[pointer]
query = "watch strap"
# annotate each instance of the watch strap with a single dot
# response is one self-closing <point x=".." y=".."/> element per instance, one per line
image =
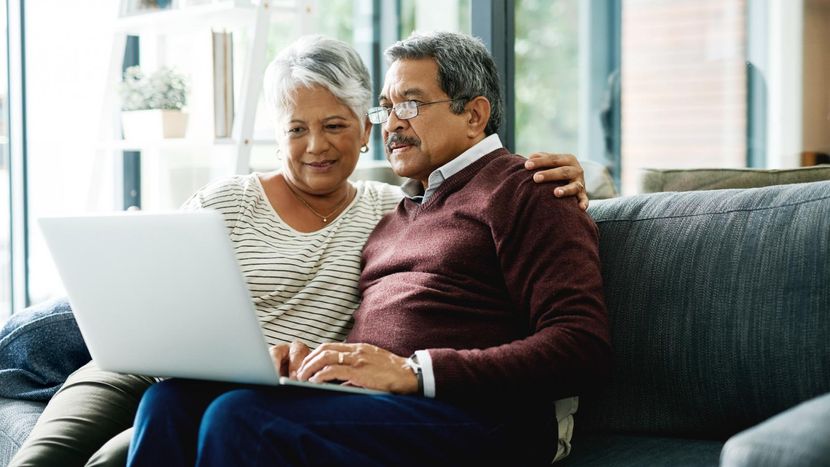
<point x="412" y="364"/>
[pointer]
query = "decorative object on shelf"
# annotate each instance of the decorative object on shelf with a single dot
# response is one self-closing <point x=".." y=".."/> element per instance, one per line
<point x="134" y="7"/>
<point x="152" y="106"/>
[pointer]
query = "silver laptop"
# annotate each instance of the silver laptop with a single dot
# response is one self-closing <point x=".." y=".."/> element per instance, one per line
<point x="162" y="295"/>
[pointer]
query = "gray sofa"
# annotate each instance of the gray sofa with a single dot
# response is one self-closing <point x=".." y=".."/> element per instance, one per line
<point x="39" y="348"/>
<point x="719" y="304"/>
<point x="720" y="310"/>
<point x="17" y="417"/>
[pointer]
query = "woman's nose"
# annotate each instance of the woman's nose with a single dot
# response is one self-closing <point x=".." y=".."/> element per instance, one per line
<point x="317" y="142"/>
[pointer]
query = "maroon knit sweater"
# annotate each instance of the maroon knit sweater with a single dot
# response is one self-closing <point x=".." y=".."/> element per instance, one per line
<point x="497" y="278"/>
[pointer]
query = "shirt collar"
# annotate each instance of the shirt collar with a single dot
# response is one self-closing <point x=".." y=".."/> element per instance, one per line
<point x="413" y="189"/>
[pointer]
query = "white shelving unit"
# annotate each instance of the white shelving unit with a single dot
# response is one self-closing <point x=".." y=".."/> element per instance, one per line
<point x="156" y="29"/>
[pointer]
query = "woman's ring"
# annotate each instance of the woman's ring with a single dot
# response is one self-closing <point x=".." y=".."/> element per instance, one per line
<point x="339" y="358"/>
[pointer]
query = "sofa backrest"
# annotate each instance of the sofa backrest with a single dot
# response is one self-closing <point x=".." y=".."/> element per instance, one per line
<point x="719" y="304"/>
<point x="654" y="180"/>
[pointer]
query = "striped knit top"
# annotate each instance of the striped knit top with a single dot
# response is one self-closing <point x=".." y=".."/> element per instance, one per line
<point x="303" y="285"/>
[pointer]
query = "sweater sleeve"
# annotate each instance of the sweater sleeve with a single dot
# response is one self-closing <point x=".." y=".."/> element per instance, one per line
<point x="548" y="251"/>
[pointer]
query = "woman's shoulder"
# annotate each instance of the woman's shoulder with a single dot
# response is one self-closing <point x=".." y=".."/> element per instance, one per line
<point x="232" y="182"/>
<point x="231" y="189"/>
<point x="384" y="195"/>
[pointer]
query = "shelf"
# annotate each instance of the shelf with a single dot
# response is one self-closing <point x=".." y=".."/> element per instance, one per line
<point x="175" y="167"/>
<point x="174" y="143"/>
<point x="226" y="14"/>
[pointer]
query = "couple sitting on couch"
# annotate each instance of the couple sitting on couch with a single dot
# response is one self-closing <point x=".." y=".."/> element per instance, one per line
<point x="490" y="285"/>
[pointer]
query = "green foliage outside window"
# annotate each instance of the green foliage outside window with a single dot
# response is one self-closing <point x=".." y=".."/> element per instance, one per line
<point x="546" y="76"/>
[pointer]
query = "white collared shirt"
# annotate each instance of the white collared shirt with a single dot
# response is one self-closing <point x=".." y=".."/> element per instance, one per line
<point x="413" y="189"/>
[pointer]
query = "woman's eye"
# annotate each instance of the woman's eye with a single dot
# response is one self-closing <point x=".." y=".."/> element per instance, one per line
<point x="335" y="126"/>
<point x="295" y="130"/>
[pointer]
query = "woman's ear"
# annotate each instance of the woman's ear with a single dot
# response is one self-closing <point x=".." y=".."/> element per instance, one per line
<point x="478" y="110"/>
<point x="367" y="132"/>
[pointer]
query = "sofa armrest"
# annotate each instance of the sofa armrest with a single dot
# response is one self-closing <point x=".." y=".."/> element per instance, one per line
<point x="796" y="437"/>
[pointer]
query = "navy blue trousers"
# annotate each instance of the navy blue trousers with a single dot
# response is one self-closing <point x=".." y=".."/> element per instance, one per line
<point x="185" y="423"/>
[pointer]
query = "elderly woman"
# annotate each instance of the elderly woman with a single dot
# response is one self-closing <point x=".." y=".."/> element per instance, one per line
<point x="297" y="233"/>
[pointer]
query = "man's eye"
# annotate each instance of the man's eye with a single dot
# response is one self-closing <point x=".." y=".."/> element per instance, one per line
<point x="335" y="126"/>
<point x="296" y="130"/>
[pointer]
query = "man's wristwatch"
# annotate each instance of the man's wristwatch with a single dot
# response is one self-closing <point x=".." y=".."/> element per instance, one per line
<point x="412" y="364"/>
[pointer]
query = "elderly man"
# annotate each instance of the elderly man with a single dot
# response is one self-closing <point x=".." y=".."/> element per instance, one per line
<point x="482" y="300"/>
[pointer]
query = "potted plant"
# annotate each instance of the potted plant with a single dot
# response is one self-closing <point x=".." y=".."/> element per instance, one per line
<point x="152" y="106"/>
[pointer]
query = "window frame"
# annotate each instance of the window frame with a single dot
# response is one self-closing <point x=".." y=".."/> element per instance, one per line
<point x="18" y="171"/>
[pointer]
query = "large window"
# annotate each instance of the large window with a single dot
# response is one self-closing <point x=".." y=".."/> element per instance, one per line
<point x="638" y="84"/>
<point x="66" y="73"/>
<point x="631" y="84"/>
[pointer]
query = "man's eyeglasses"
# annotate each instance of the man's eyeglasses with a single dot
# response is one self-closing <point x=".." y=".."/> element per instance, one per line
<point x="403" y="110"/>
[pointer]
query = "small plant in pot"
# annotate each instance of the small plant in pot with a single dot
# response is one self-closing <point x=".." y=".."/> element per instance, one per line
<point x="152" y="105"/>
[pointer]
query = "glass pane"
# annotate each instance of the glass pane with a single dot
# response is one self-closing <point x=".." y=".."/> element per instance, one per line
<point x="67" y="170"/>
<point x="5" y="202"/>
<point x="546" y="76"/>
<point x="421" y="15"/>
<point x="683" y="85"/>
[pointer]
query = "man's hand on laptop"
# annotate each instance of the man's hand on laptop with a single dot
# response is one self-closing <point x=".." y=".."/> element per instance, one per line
<point x="288" y="357"/>
<point x="362" y="365"/>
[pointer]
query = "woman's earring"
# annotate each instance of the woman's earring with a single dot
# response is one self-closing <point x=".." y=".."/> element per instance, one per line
<point x="364" y="149"/>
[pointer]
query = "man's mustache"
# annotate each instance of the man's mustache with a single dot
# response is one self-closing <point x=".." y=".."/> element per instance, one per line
<point x="401" y="139"/>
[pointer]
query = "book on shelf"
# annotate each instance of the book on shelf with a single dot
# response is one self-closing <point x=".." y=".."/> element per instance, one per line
<point x="222" y="84"/>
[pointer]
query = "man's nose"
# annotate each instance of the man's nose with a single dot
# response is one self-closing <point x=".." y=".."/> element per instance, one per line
<point x="394" y="124"/>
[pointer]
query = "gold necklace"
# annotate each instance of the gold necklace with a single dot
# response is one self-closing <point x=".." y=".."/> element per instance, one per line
<point x="324" y="218"/>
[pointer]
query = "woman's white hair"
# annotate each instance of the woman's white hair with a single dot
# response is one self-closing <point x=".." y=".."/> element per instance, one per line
<point x="318" y="61"/>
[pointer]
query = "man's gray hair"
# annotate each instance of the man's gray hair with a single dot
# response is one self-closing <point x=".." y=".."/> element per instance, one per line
<point x="465" y="68"/>
<point x="321" y="61"/>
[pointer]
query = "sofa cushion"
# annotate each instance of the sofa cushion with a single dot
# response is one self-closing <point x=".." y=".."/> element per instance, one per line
<point x="654" y="180"/>
<point x="16" y="421"/>
<point x="719" y="306"/>
<point x="638" y="451"/>
<point x="39" y="347"/>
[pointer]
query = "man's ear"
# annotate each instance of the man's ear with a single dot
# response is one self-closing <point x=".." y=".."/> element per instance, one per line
<point x="478" y="110"/>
